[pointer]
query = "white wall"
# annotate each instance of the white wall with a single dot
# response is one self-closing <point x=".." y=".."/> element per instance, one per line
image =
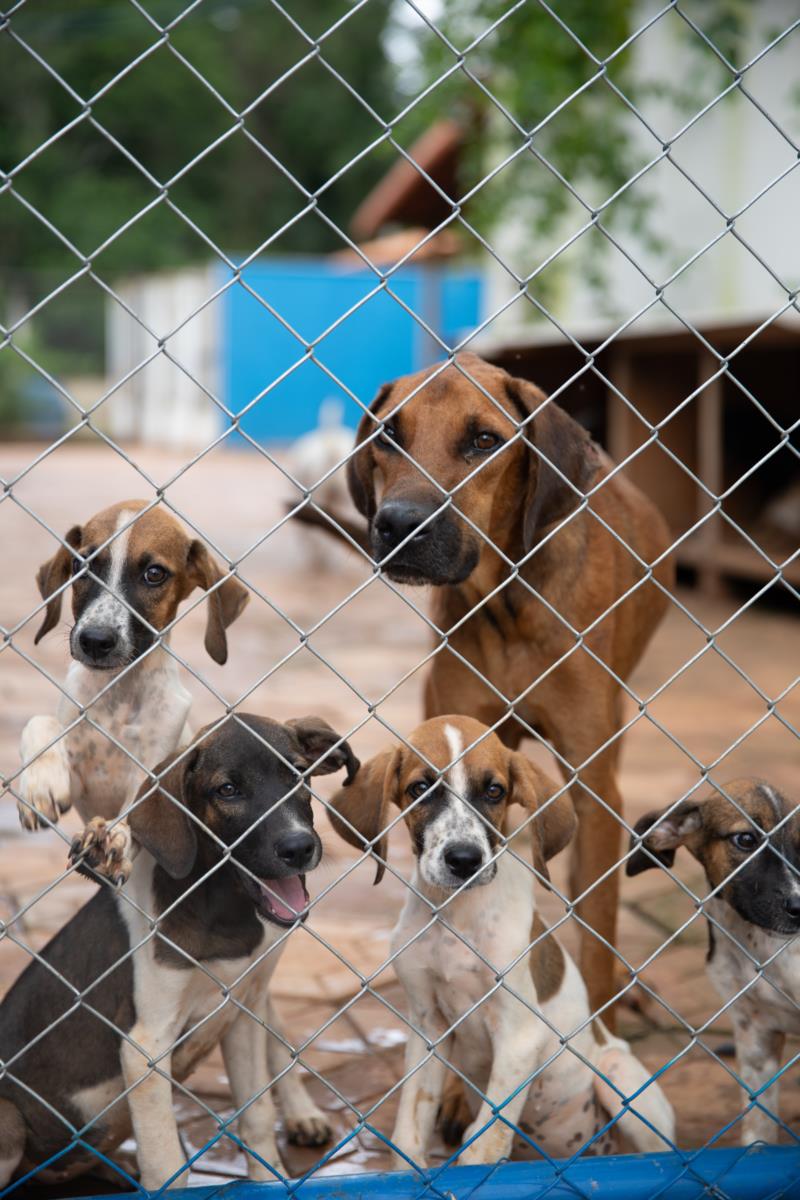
<point x="732" y="152"/>
<point x="162" y="404"/>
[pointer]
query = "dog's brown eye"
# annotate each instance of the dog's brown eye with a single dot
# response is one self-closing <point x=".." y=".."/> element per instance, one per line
<point x="77" y="565"/>
<point x="495" y="792"/>
<point x="417" y="789"/>
<point x="485" y="441"/>
<point x="389" y="435"/>
<point x="226" y="791"/>
<point x="155" y="575"/>
<point x="745" y="841"/>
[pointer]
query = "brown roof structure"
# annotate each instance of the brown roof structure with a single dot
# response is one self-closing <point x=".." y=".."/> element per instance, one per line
<point x="404" y="196"/>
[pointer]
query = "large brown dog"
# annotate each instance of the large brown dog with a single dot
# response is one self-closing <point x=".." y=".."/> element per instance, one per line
<point x="542" y="644"/>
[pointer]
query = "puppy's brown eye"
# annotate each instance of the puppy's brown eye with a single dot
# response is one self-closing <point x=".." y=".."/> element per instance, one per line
<point x="155" y="575"/>
<point x="389" y="436"/>
<point x="745" y="841"/>
<point x="417" y="789"/>
<point x="77" y="565"/>
<point x="485" y="441"/>
<point x="495" y="792"/>
<point x="226" y="791"/>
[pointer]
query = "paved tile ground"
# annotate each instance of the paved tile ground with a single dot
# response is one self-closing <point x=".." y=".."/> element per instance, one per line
<point x="374" y="641"/>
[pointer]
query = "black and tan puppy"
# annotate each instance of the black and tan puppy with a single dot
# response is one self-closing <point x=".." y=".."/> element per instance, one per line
<point x="748" y="842"/>
<point x="547" y="604"/>
<point x="142" y="984"/>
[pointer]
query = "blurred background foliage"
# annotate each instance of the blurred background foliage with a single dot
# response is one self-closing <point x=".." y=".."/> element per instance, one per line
<point x="130" y="162"/>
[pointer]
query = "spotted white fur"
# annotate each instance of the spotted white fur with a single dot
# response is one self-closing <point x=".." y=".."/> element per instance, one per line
<point x="767" y="1008"/>
<point x="502" y="1043"/>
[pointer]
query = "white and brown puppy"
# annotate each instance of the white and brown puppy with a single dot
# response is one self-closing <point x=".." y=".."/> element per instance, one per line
<point x="486" y="982"/>
<point x="141" y="565"/>
<point x="218" y="879"/>
<point x="746" y="837"/>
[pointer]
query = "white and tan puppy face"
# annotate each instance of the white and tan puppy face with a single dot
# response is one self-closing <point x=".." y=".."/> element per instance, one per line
<point x="453" y="783"/>
<point x="454" y="799"/>
<point x="143" y="564"/>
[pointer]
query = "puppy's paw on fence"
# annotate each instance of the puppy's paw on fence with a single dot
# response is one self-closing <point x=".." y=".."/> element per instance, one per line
<point x="44" y="791"/>
<point x="103" y="849"/>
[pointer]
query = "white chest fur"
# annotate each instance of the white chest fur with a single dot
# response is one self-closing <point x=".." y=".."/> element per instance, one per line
<point x="764" y="966"/>
<point x="192" y="1007"/>
<point x="133" y="717"/>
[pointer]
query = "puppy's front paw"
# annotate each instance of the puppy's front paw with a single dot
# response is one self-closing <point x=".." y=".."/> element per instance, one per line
<point x="488" y="1147"/>
<point x="45" y="790"/>
<point x="103" y="849"/>
<point x="311" y="1129"/>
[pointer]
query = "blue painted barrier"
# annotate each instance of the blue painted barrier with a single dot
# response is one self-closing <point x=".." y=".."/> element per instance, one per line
<point x="378" y="340"/>
<point x="753" y="1173"/>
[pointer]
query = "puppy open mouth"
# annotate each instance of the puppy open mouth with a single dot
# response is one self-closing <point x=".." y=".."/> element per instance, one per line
<point x="282" y="901"/>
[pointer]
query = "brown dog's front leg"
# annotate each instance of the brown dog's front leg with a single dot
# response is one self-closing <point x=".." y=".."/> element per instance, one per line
<point x="595" y="852"/>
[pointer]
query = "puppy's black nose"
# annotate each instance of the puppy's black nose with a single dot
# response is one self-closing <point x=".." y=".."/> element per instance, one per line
<point x="296" y="849"/>
<point x="463" y="859"/>
<point x="398" y="519"/>
<point x="97" y="641"/>
<point x="792" y="906"/>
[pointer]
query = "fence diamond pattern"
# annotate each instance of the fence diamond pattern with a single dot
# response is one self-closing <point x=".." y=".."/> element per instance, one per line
<point x="87" y="266"/>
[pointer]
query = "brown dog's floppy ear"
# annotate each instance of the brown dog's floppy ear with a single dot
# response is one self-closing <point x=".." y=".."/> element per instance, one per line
<point x="364" y="804"/>
<point x="315" y="737"/>
<point x="665" y="834"/>
<point x="224" y="604"/>
<point x="159" y="824"/>
<point x="361" y="464"/>
<point x="565" y="444"/>
<point x="51" y="576"/>
<point x="555" y="823"/>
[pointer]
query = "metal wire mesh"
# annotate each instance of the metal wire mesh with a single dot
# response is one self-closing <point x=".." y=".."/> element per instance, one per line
<point x="229" y="991"/>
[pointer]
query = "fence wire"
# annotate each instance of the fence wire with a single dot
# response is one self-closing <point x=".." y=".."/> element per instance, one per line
<point x="87" y="1129"/>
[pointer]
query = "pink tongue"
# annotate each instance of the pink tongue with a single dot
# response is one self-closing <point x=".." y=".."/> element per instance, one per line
<point x="286" y="897"/>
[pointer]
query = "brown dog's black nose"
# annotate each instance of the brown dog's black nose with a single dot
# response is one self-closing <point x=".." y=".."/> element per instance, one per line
<point x="397" y="520"/>
<point x="97" y="641"/>
<point x="296" y="849"/>
<point x="463" y="859"/>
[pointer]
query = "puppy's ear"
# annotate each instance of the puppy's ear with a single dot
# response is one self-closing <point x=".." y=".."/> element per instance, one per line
<point x="361" y="464"/>
<point x="315" y="739"/>
<point x="567" y="446"/>
<point x="359" y="811"/>
<point x="662" y="835"/>
<point x="224" y="604"/>
<point x="51" y="576"/>
<point x="555" y="822"/>
<point x="160" y="824"/>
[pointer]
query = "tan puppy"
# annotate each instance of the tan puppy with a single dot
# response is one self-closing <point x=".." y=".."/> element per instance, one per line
<point x="487" y="984"/>
<point x="139" y="570"/>
<point x="552" y="638"/>
<point x="748" y="843"/>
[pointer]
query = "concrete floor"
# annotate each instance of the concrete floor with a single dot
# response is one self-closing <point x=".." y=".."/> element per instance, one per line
<point x="708" y="714"/>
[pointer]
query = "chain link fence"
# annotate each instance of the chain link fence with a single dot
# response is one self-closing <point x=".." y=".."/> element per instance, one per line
<point x="469" y="479"/>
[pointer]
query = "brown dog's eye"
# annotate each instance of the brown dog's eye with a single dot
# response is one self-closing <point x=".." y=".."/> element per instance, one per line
<point x="417" y="789"/>
<point x="495" y="792"/>
<point x="388" y="437"/>
<point x="226" y="791"/>
<point x="745" y="841"/>
<point x="77" y="565"/>
<point x="155" y="575"/>
<point x="485" y="441"/>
